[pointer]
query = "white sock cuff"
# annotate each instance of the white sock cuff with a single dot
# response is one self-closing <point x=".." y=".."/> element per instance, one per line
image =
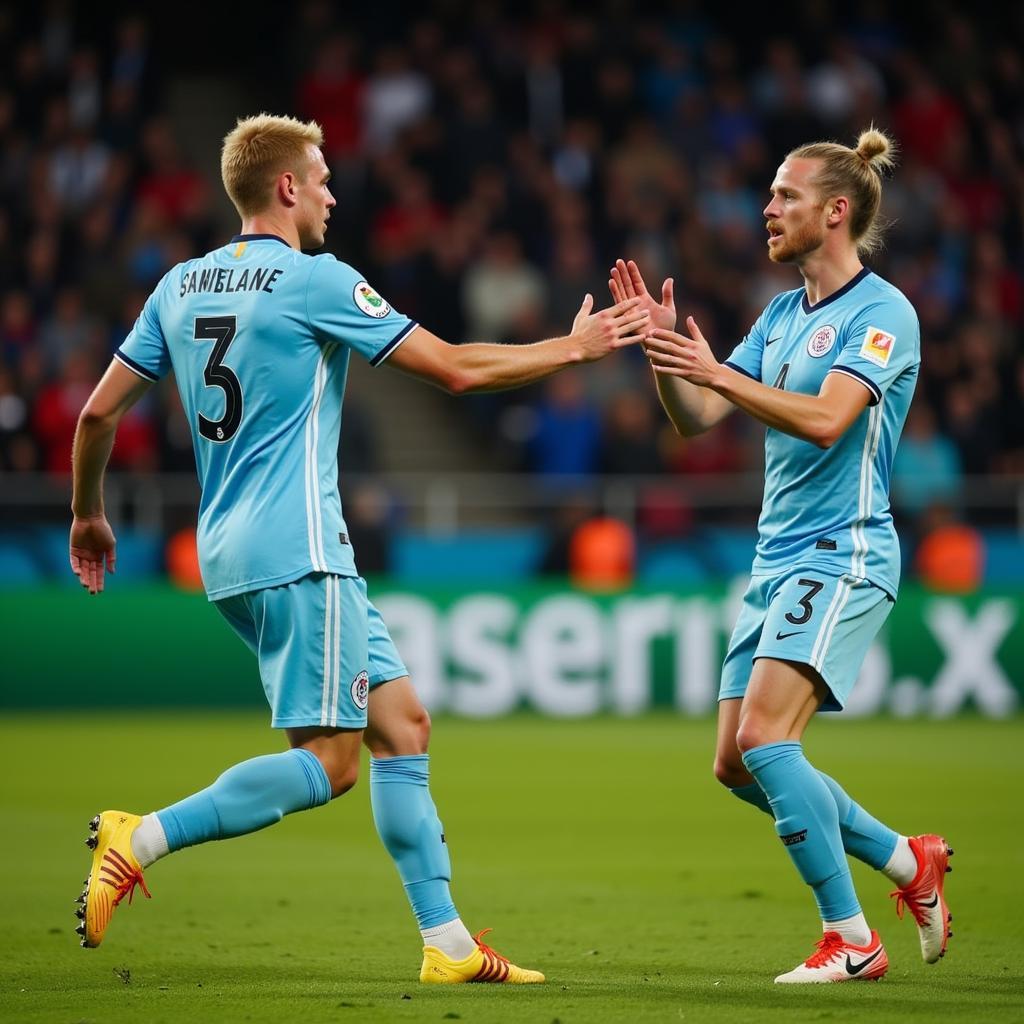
<point x="853" y="929"/>
<point x="443" y="929"/>
<point x="149" y="841"/>
<point x="901" y="867"/>
<point x="452" y="938"/>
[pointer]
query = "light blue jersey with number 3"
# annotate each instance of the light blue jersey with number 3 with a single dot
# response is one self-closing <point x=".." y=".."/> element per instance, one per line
<point x="259" y="335"/>
<point x="830" y="508"/>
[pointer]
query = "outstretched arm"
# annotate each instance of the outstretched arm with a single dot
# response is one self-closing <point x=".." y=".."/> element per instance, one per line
<point x="692" y="409"/>
<point x="460" y="369"/>
<point x="92" y="541"/>
<point x="820" y="419"/>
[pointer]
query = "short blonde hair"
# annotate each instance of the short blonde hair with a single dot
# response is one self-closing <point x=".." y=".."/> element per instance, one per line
<point x="857" y="174"/>
<point x="257" y="150"/>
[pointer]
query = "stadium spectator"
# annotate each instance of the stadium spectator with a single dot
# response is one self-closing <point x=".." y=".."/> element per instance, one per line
<point x="567" y="438"/>
<point x="332" y="95"/>
<point x="926" y="467"/>
<point x="78" y="169"/>
<point x="629" y="437"/>
<point x="56" y="409"/>
<point x="503" y="295"/>
<point x="69" y="329"/>
<point x="13" y="422"/>
<point x="18" y="327"/>
<point x="168" y="184"/>
<point x="395" y="96"/>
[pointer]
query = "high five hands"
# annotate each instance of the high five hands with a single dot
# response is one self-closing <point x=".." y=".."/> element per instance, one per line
<point x="675" y="355"/>
<point x="598" y="334"/>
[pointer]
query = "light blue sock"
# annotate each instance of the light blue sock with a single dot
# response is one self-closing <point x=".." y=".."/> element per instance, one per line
<point x="864" y="837"/>
<point x="807" y="821"/>
<point x="247" y="797"/>
<point x="753" y="794"/>
<point x="408" y="826"/>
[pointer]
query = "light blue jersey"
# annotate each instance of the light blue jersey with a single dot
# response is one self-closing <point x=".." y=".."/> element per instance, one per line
<point x="830" y="508"/>
<point x="258" y="335"/>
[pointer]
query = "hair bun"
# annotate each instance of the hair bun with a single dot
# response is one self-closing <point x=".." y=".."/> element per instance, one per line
<point x="876" y="149"/>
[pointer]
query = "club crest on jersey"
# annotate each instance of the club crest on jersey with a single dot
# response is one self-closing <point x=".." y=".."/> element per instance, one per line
<point x="821" y="341"/>
<point x="361" y="690"/>
<point x="878" y="346"/>
<point x="369" y="301"/>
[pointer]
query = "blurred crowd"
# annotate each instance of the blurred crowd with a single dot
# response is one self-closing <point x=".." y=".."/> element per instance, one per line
<point x="491" y="162"/>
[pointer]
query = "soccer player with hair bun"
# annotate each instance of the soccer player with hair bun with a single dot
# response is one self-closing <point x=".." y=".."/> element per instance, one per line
<point x="259" y="335"/>
<point x="830" y="370"/>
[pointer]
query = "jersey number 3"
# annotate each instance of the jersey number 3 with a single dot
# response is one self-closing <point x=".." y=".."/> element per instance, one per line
<point x="220" y="329"/>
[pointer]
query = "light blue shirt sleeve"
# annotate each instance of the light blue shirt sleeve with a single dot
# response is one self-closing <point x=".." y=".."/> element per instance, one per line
<point x="879" y="344"/>
<point x="145" y="349"/>
<point x="343" y="308"/>
<point x="748" y="354"/>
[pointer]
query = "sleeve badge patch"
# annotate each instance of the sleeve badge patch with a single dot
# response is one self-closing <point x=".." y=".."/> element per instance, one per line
<point x="878" y="346"/>
<point x="369" y="302"/>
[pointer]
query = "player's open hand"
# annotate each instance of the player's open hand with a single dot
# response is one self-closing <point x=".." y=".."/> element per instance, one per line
<point x="92" y="547"/>
<point x="626" y="282"/>
<point x="598" y="334"/>
<point x="680" y="355"/>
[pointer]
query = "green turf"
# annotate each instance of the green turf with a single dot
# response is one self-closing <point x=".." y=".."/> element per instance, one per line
<point x="602" y="852"/>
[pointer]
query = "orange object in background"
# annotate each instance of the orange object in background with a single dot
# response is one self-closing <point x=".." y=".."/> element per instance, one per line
<point x="602" y="555"/>
<point x="951" y="559"/>
<point x="182" y="558"/>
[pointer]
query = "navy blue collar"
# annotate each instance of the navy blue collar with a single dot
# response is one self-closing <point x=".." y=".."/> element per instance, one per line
<point x="807" y="307"/>
<point x="259" y="238"/>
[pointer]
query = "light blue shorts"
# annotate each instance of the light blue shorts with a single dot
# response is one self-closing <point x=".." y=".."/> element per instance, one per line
<point x="321" y="645"/>
<point x="810" y="617"/>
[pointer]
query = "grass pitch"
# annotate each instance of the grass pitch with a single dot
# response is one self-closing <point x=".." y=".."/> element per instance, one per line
<point x="602" y="852"/>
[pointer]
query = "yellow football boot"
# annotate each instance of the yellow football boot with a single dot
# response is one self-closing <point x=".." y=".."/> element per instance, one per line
<point x="114" y="874"/>
<point x="482" y="965"/>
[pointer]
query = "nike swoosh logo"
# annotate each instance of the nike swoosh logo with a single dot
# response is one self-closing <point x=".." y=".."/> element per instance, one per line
<point x="855" y="969"/>
<point x="783" y="636"/>
<point x="934" y="902"/>
<point x="772" y="341"/>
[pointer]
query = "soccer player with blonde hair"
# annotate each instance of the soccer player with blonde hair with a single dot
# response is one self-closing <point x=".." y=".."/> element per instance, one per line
<point x="259" y="335"/>
<point x="830" y="370"/>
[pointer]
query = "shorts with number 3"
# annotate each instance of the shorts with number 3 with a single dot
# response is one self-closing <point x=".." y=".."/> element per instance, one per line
<point x="810" y="617"/>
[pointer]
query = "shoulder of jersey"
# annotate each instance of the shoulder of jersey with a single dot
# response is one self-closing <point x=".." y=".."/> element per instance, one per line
<point x="172" y="277"/>
<point x="888" y="292"/>
<point x="785" y="300"/>
<point x="327" y="259"/>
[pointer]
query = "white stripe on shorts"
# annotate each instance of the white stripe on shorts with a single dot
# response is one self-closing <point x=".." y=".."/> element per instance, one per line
<point x="336" y="583"/>
<point x="328" y="660"/>
<point x="828" y="625"/>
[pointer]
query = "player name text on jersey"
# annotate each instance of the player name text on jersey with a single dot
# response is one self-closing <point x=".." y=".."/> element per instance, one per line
<point x="221" y="279"/>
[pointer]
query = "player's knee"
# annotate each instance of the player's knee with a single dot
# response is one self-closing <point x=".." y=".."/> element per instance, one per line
<point x="753" y="733"/>
<point x="343" y="776"/>
<point x="730" y="772"/>
<point x="413" y="732"/>
<point x="340" y="767"/>
<point x="419" y="726"/>
<point x="401" y="736"/>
